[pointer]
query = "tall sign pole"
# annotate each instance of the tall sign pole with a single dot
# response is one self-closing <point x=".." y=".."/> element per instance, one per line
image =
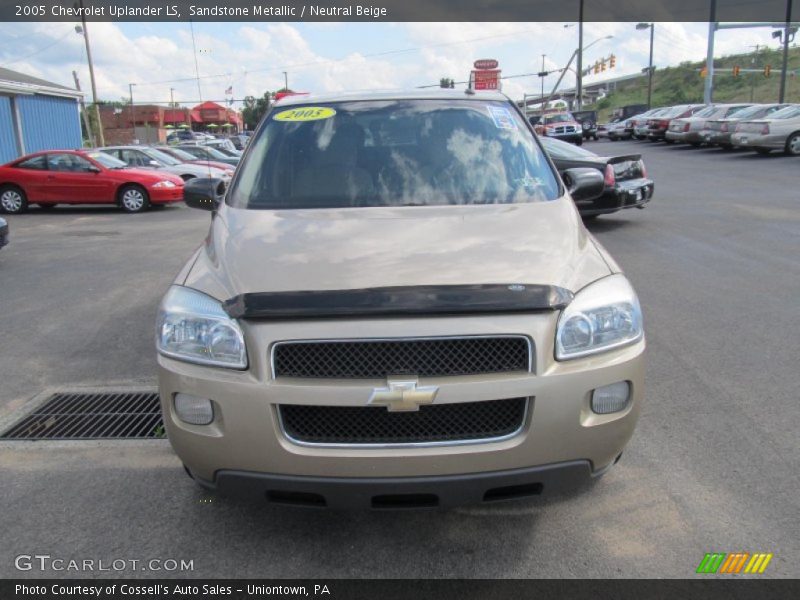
<point x="708" y="94"/>
<point x="786" y="33"/>
<point x="579" y="74"/>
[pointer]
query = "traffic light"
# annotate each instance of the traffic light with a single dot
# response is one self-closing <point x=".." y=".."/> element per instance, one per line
<point x="603" y="65"/>
<point x="736" y="69"/>
<point x="596" y="67"/>
<point x="612" y="61"/>
<point x="767" y="70"/>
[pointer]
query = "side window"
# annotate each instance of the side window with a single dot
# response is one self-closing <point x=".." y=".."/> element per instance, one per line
<point x="67" y="163"/>
<point x="37" y="163"/>
<point x="133" y="157"/>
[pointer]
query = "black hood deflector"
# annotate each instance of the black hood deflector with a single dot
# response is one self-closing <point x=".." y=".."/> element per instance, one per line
<point x="426" y="300"/>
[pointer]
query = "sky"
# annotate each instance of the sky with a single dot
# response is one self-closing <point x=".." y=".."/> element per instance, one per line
<point x="330" y="57"/>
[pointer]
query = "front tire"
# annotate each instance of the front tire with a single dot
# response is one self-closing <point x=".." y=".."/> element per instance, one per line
<point x="13" y="200"/>
<point x="133" y="199"/>
<point x="793" y="144"/>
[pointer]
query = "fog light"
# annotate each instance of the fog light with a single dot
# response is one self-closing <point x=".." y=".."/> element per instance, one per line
<point x="194" y="410"/>
<point x="611" y="398"/>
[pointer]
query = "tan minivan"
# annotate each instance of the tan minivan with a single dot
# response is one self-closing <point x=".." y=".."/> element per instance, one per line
<point x="397" y="305"/>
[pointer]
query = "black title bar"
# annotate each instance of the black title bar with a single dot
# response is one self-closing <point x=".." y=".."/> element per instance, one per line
<point x="391" y="10"/>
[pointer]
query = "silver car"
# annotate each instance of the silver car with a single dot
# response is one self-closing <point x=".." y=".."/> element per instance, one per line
<point x="781" y="131"/>
<point x="150" y="158"/>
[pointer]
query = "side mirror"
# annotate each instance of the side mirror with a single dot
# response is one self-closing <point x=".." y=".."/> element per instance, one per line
<point x="154" y="163"/>
<point x="205" y="193"/>
<point x="584" y="183"/>
<point x="93" y="169"/>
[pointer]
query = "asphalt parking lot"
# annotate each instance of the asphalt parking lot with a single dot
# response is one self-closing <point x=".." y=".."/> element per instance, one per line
<point x="713" y="465"/>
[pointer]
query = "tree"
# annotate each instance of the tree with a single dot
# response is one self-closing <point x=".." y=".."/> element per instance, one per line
<point x="446" y="82"/>
<point x="255" y="108"/>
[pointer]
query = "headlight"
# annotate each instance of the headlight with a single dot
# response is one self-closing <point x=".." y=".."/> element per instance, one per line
<point x="165" y="184"/>
<point x="578" y="128"/>
<point x="603" y="315"/>
<point x="193" y="327"/>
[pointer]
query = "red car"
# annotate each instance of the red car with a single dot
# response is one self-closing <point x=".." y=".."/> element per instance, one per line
<point x="82" y="177"/>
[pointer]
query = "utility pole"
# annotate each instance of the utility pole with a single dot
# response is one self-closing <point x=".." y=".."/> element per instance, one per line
<point x="85" y="32"/>
<point x="83" y="111"/>
<point x="786" y="33"/>
<point x="133" y="114"/>
<point x="542" y="96"/>
<point x="171" y="98"/>
<point x="708" y="93"/>
<point x="752" y="75"/>
<point x="579" y="74"/>
<point x="285" y="81"/>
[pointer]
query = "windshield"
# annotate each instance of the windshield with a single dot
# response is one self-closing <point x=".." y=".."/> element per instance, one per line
<point x="786" y="113"/>
<point x="707" y="111"/>
<point x="109" y="162"/>
<point x="393" y="153"/>
<point x="208" y="151"/>
<point x="164" y="159"/>
<point x="181" y="154"/>
<point x="751" y="111"/>
<point x="559" y="118"/>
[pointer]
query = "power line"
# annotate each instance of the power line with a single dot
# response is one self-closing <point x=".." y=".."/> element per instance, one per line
<point x="278" y="69"/>
<point x="40" y="50"/>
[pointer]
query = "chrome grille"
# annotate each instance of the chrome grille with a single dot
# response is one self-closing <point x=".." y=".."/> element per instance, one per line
<point x="381" y="358"/>
<point x="371" y="425"/>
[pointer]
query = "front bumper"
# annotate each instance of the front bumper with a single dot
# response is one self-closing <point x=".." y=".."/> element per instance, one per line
<point x="246" y="437"/>
<point x="165" y="195"/>
<point x="404" y="492"/>
<point x="656" y="134"/>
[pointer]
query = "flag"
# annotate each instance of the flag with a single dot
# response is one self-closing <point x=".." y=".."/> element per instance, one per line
<point x="229" y="91"/>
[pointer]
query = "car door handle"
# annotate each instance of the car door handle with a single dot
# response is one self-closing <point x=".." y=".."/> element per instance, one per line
<point x="51" y="177"/>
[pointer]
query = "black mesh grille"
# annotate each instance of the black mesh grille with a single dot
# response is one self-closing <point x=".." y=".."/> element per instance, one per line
<point x="376" y="425"/>
<point x="369" y="359"/>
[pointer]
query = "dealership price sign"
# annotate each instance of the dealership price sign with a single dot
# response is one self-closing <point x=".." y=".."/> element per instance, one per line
<point x="485" y="75"/>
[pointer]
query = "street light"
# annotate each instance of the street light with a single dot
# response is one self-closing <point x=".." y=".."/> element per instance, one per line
<point x="652" y="27"/>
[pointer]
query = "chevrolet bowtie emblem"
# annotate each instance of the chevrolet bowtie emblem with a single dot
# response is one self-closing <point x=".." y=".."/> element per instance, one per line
<point x="403" y="395"/>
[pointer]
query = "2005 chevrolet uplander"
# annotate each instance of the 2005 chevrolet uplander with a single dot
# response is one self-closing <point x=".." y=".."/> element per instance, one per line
<point x="397" y="305"/>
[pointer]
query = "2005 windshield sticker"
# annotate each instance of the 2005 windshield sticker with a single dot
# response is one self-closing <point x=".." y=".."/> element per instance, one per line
<point x="305" y="113"/>
<point x="502" y="117"/>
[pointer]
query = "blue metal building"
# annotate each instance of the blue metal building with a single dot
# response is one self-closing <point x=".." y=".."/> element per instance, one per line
<point x="36" y="115"/>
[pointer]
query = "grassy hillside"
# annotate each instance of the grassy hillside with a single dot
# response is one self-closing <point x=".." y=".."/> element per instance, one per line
<point x="683" y="84"/>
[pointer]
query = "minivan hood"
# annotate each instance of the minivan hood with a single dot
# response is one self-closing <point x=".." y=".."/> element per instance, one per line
<point x="255" y="251"/>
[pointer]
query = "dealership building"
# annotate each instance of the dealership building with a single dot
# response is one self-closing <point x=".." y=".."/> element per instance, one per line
<point x="36" y="115"/>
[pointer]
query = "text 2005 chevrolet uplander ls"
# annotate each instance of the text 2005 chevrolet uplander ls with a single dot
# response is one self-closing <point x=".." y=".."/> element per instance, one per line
<point x="397" y="305"/>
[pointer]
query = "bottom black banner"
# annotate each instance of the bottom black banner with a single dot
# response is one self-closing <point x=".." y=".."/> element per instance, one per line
<point x="390" y="589"/>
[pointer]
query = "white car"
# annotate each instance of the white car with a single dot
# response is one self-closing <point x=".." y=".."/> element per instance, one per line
<point x="145" y="157"/>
